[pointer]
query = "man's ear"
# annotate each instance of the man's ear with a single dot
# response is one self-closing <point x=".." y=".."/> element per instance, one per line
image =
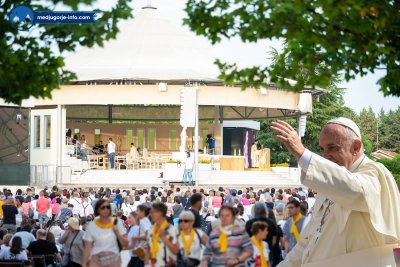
<point x="357" y="145"/>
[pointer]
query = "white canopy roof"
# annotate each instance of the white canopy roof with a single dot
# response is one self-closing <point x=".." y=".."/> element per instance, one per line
<point x="148" y="47"/>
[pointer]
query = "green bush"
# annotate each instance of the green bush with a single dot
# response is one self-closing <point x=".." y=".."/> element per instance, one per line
<point x="393" y="166"/>
<point x="397" y="178"/>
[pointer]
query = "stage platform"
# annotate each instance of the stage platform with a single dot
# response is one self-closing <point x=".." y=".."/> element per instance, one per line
<point x="287" y="177"/>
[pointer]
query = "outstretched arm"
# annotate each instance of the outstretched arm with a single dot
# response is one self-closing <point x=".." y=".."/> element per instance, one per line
<point x="328" y="178"/>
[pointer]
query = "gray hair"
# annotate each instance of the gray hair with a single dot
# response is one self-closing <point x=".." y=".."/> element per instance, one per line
<point x="186" y="214"/>
<point x="349" y="135"/>
<point x="259" y="210"/>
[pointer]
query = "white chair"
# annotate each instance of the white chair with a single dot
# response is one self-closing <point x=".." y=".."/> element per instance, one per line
<point x="92" y="161"/>
<point x="130" y="162"/>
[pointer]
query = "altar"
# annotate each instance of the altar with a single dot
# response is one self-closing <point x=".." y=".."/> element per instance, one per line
<point x="231" y="163"/>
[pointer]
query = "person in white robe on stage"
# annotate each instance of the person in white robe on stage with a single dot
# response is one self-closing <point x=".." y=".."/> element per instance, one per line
<point x="133" y="152"/>
<point x="254" y="156"/>
<point x="356" y="217"/>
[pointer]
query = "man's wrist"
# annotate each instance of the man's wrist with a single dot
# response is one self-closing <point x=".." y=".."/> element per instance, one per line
<point x="304" y="160"/>
<point x="299" y="153"/>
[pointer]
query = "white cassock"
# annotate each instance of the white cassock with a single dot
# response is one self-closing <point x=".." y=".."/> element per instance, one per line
<point x="134" y="153"/>
<point x="254" y="156"/>
<point x="356" y="216"/>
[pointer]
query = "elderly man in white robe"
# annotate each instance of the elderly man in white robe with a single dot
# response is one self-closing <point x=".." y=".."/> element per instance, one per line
<point x="356" y="218"/>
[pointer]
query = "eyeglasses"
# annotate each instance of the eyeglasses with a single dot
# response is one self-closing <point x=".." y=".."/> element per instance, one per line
<point x="105" y="207"/>
<point x="185" y="221"/>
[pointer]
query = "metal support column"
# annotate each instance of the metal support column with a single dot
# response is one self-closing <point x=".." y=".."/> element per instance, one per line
<point x="196" y="143"/>
<point x="60" y="142"/>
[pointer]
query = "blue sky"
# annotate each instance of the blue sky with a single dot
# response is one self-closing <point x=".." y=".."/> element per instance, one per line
<point x="362" y="92"/>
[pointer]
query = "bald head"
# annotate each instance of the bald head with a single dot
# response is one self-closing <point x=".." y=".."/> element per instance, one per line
<point x="340" y="144"/>
<point x="41" y="234"/>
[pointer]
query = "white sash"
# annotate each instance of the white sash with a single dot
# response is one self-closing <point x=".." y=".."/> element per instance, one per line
<point x="372" y="257"/>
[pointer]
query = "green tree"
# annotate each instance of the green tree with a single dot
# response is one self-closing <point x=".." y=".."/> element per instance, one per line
<point x="381" y="116"/>
<point x="389" y="137"/>
<point x="329" y="106"/>
<point x="30" y="61"/>
<point x="279" y="154"/>
<point x="368" y="147"/>
<point x="368" y="123"/>
<point x="323" y="38"/>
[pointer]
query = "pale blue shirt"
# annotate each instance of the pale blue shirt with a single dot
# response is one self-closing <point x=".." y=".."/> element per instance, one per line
<point x="133" y="232"/>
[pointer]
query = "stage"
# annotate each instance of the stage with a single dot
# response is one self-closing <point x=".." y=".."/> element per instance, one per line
<point x="280" y="177"/>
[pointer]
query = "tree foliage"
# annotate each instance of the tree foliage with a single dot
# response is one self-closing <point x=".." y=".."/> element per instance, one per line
<point x="279" y="154"/>
<point x="323" y="38"/>
<point x="389" y="130"/>
<point x="368" y="123"/>
<point x="329" y="106"/>
<point x="30" y="61"/>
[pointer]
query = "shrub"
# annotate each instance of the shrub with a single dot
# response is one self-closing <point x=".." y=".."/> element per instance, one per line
<point x="393" y="166"/>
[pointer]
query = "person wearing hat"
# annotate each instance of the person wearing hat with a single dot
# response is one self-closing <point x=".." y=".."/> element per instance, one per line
<point x="72" y="239"/>
<point x="356" y="219"/>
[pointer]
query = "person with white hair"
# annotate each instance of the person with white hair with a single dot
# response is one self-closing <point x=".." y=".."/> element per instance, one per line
<point x="356" y="219"/>
<point x="190" y="239"/>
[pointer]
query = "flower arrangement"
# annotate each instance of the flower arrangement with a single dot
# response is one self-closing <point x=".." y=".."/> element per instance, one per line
<point x="285" y="164"/>
<point x="207" y="161"/>
<point x="173" y="161"/>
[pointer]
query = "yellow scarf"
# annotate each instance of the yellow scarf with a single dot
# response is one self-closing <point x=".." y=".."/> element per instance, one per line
<point x="223" y="240"/>
<point x="154" y="245"/>
<point x="187" y="244"/>
<point x="294" y="229"/>
<point x="260" y="247"/>
<point x="104" y="226"/>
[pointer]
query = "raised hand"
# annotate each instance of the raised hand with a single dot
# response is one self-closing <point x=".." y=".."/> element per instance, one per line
<point x="289" y="137"/>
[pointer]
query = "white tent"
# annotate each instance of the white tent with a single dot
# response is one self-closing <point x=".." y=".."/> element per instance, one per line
<point x="148" y="47"/>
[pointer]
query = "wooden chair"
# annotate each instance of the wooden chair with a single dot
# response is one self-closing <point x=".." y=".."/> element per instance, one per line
<point x="106" y="163"/>
<point x="142" y="162"/>
<point x="119" y="160"/>
<point x="38" y="260"/>
<point x="10" y="263"/>
<point x="44" y="260"/>
<point x="155" y="162"/>
<point x="50" y="259"/>
<point x="160" y="163"/>
<point x="130" y="162"/>
<point x="92" y="161"/>
<point x="148" y="163"/>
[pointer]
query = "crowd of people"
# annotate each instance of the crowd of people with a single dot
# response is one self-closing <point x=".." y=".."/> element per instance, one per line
<point x="158" y="226"/>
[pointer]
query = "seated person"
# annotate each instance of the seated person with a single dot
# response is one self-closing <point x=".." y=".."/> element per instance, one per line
<point x="15" y="252"/>
<point x="43" y="247"/>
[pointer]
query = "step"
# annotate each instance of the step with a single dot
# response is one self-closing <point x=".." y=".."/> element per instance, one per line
<point x="150" y="177"/>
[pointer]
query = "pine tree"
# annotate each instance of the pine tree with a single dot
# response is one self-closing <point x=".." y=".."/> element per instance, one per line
<point x="389" y="131"/>
<point x="368" y="124"/>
